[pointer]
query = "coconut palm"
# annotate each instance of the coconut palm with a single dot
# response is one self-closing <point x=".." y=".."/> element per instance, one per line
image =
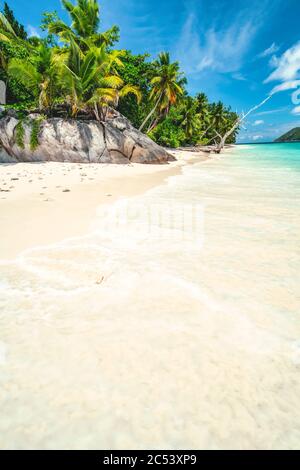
<point x="89" y="80"/>
<point x="85" y="22"/>
<point x="218" y="115"/>
<point x="191" y="122"/>
<point x="38" y="74"/>
<point x="166" y="87"/>
<point x="203" y="110"/>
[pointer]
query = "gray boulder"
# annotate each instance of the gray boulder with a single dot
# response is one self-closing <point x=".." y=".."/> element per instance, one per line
<point x="70" y="140"/>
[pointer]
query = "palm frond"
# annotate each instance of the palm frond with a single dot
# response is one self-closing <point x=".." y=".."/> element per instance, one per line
<point x="60" y="28"/>
<point x="111" y="81"/>
<point x="104" y="96"/>
<point x="134" y="90"/>
<point x="25" y="73"/>
<point x="4" y="37"/>
<point x="6" y="26"/>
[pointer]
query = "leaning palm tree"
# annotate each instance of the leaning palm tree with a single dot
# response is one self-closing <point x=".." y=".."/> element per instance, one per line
<point x="166" y="87"/>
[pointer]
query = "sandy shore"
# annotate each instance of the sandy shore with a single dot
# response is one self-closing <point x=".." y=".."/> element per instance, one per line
<point x="42" y="203"/>
<point x="170" y="323"/>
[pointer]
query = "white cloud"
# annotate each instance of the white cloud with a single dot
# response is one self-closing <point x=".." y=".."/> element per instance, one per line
<point x="269" y="51"/>
<point x="32" y="31"/>
<point x="258" y="122"/>
<point x="218" y="49"/>
<point x="296" y="96"/>
<point x="290" y="85"/>
<point x="239" y="76"/>
<point x="296" y="110"/>
<point x="274" y="62"/>
<point x="257" y="137"/>
<point x="287" y="66"/>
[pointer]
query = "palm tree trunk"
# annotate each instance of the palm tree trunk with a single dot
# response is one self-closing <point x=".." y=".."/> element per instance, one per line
<point x="151" y="113"/>
<point x="96" y="112"/>
<point x="206" y="130"/>
<point x="153" y="125"/>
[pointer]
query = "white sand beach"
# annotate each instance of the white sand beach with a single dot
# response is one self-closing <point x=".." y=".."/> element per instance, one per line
<point x="46" y="202"/>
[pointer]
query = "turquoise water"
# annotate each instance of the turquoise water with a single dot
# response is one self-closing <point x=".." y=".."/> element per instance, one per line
<point x="274" y="155"/>
<point x="192" y="338"/>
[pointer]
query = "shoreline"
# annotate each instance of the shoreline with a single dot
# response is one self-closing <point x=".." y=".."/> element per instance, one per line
<point x="45" y="203"/>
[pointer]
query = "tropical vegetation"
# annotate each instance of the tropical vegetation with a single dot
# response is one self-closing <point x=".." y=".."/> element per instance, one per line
<point x="76" y="70"/>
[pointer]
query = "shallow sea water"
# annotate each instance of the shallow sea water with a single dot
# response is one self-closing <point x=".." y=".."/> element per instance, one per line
<point x="174" y="323"/>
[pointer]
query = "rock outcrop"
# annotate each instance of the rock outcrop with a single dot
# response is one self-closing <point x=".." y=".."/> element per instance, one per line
<point x="70" y="140"/>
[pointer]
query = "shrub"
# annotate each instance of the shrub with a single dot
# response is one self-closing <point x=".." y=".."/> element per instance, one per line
<point x="168" y="134"/>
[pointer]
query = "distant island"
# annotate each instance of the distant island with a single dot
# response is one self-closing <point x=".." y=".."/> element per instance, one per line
<point x="291" y="136"/>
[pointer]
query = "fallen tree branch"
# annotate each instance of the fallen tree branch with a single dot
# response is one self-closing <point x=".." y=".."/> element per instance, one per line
<point x="240" y="119"/>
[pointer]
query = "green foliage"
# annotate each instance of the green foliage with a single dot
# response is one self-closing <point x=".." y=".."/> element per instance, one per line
<point x="35" y="130"/>
<point x="47" y="19"/>
<point x="136" y="70"/>
<point x="20" y="133"/>
<point x="291" y="136"/>
<point x="20" y="108"/>
<point x="15" y="90"/>
<point x="168" y="134"/>
<point x="35" y="125"/>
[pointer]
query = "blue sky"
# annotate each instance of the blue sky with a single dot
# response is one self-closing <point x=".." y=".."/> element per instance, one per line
<point x="237" y="51"/>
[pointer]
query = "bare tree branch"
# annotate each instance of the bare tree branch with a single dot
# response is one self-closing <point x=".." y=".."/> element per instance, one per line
<point x="240" y="119"/>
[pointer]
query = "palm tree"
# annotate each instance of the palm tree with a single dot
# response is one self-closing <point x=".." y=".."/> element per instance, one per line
<point x="38" y="74"/>
<point x="204" y="113"/>
<point x="191" y="118"/>
<point x="166" y="87"/>
<point x="219" y="115"/>
<point x="90" y="82"/>
<point x="85" y="22"/>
